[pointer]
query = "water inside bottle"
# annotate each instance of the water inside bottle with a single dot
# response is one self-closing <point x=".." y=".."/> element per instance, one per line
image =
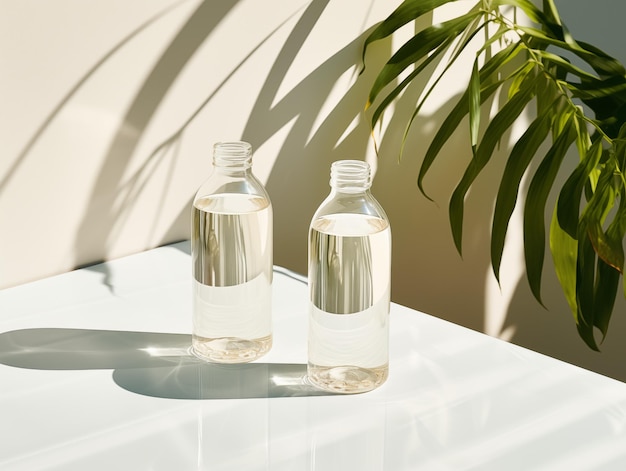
<point x="349" y="265"/>
<point x="232" y="277"/>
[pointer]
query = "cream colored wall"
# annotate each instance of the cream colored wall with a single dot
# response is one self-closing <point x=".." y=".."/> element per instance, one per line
<point x="109" y="109"/>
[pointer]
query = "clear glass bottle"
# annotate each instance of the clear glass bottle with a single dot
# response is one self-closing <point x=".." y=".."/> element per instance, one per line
<point x="232" y="257"/>
<point x="349" y="285"/>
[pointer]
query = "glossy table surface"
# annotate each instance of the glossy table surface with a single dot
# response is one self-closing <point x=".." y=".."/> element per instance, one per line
<point x="95" y="375"/>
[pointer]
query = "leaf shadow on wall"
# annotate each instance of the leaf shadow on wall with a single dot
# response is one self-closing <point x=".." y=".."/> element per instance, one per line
<point x="23" y="154"/>
<point x="431" y="275"/>
<point x="103" y="211"/>
<point x="299" y="178"/>
<point x="422" y="278"/>
<point x="105" y="214"/>
<point x="302" y="104"/>
<point x="110" y="199"/>
<point x="107" y="204"/>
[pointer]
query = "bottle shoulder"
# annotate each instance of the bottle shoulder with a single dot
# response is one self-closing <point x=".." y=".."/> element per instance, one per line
<point x="235" y="184"/>
<point x="351" y="205"/>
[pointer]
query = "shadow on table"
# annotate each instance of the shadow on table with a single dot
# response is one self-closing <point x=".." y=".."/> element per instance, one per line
<point x="151" y="364"/>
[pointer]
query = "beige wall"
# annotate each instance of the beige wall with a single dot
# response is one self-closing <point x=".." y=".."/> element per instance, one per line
<point x="109" y="109"/>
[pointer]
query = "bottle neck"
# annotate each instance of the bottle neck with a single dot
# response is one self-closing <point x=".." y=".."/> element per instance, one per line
<point x="232" y="156"/>
<point x="350" y="176"/>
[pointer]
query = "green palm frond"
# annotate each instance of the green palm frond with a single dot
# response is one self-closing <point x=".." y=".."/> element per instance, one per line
<point x="577" y="93"/>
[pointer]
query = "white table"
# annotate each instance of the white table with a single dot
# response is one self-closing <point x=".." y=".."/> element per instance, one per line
<point x="95" y="375"/>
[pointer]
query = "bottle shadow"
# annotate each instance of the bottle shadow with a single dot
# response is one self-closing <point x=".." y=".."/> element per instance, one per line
<point x="152" y="364"/>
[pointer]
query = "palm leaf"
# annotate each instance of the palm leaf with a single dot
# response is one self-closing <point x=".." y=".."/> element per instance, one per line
<point x="585" y="281"/>
<point x="518" y="161"/>
<point x="564" y="250"/>
<point x="602" y="64"/>
<point x="607" y="245"/>
<point x="408" y="11"/>
<point x="533" y="13"/>
<point x="459" y="111"/>
<point x="607" y="282"/>
<point x="416" y="49"/>
<point x="391" y="96"/>
<point x="587" y="246"/>
<point x="470" y="32"/>
<point x="571" y="193"/>
<point x="610" y="266"/>
<point x="615" y="88"/>
<point x="564" y="65"/>
<point x="474" y="105"/>
<point x="534" y="209"/>
<point x="446" y="130"/>
<point x="500" y="123"/>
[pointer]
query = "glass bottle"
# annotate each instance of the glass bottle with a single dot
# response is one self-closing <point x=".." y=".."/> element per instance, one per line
<point x="349" y="274"/>
<point x="232" y="258"/>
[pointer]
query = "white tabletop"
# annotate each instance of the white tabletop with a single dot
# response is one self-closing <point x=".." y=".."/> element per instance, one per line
<point x="95" y="375"/>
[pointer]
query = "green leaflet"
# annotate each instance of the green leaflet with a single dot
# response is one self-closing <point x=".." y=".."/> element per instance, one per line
<point x="551" y="13"/>
<point x="597" y="282"/>
<point x="495" y="65"/>
<point x="608" y="245"/>
<point x="603" y="64"/>
<point x="605" y="292"/>
<point x="585" y="281"/>
<point x="549" y="97"/>
<point x="408" y="11"/>
<point x="564" y="65"/>
<point x="616" y="231"/>
<point x="500" y="123"/>
<point x="446" y="130"/>
<point x="564" y="250"/>
<point x="520" y="77"/>
<point x="583" y="140"/>
<point x="463" y="38"/>
<point x="416" y="49"/>
<point x="610" y="265"/>
<point x="614" y="87"/>
<point x="527" y="6"/>
<point x="474" y="105"/>
<point x="518" y="161"/>
<point x="455" y="116"/>
<point x="498" y="36"/>
<point x="534" y="209"/>
<point x="571" y="193"/>
<point x="398" y="89"/>
<point x="471" y="30"/>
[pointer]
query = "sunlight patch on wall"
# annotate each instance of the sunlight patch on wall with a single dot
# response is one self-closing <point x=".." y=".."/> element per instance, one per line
<point x="265" y="156"/>
<point x="336" y="93"/>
